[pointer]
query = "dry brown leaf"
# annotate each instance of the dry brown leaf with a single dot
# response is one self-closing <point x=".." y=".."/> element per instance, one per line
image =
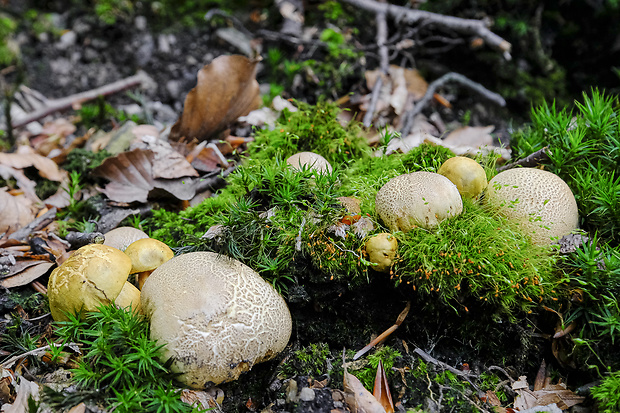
<point x="80" y="408"/>
<point x="209" y="399"/>
<point x="27" y="276"/>
<point x="23" y="182"/>
<point x="167" y="163"/>
<point x="131" y="179"/>
<point x="205" y="157"/>
<point x="52" y="136"/>
<point x="226" y="89"/>
<point x="26" y="157"/>
<point x="359" y="400"/>
<point x="475" y="136"/>
<point x="381" y="391"/>
<point x="15" y="211"/>
<point x="551" y="393"/>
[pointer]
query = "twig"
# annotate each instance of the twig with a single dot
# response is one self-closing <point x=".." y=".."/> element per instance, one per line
<point x="41" y="350"/>
<point x="56" y="105"/>
<point x="456" y="77"/>
<point x="385" y="334"/>
<point x="465" y="26"/>
<point x="382" y="32"/>
<point x="22" y="233"/>
<point x="292" y="12"/>
<point x="534" y="159"/>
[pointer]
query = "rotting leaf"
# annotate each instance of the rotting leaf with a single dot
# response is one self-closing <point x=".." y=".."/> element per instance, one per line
<point x="226" y="89"/>
<point x="26" y="157"/>
<point x="472" y="136"/>
<point x="27" y="275"/>
<point x="167" y="163"/>
<point x="551" y="393"/>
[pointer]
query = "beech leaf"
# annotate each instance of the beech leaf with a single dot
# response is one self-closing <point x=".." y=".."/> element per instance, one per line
<point x="359" y="400"/>
<point x="26" y="157"/>
<point x="226" y="89"/>
<point x="27" y="275"/>
<point x="15" y="211"/>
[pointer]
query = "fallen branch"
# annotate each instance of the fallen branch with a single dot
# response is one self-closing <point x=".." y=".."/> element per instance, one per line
<point x="430" y="91"/>
<point x="410" y="16"/>
<point x="534" y="159"/>
<point x="382" y="32"/>
<point x="57" y="105"/>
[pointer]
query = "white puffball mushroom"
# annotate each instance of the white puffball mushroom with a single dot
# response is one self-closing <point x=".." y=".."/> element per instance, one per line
<point x="421" y="199"/>
<point x="539" y="201"/>
<point x="92" y="276"/>
<point x="309" y="160"/>
<point x="381" y="250"/>
<point x="216" y="315"/>
<point x="467" y="174"/>
<point x="122" y="237"/>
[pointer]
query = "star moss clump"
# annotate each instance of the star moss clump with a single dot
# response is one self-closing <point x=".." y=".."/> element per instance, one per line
<point x="290" y="227"/>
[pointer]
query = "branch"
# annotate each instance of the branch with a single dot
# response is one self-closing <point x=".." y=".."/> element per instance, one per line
<point x="382" y="32"/>
<point x="477" y="87"/>
<point x="466" y="26"/>
<point x="533" y="159"/>
<point x="57" y="105"/>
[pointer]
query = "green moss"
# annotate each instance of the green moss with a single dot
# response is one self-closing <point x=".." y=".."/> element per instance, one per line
<point x="312" y="360"/>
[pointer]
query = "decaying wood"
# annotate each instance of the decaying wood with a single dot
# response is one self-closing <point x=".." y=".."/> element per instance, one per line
<point x="57" y="105"/>
<point x="465" y="26"/>
<point x="79" y="239"/>
<point x="40" y="222"/>
<point x="433" y="86"/>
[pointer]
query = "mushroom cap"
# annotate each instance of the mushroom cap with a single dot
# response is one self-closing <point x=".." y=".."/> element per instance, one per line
<point x="92" y="276"/>
<point x="467" y="174"/>
<point x="146" y="254"/>
<point x="309" y="160"/>
<point x="128" y="297"/>
<point x="381" y="249"/>
<point x="121" y="237"/>
<point x="216" y="316"/>
<point x="539" y="201"/>
<point x="417" y="199"/>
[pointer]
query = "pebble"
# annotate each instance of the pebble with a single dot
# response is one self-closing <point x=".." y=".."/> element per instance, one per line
<point x="67" y="40"/>
<point x="306" y="394"/>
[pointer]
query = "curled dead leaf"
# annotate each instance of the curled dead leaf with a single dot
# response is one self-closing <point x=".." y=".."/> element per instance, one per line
<point x="15" y="211"/>
<point x="226" y="89"/>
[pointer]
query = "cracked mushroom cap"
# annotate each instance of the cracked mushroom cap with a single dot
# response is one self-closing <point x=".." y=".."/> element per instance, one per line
<point x="309" y="160"/>
<point x="216" y="316"/>
<point x="94" y="275"/>
<point x="122" y="237"/>
<point x="146" y="254"/>
<point x="422" y="199"/>
<point x="540" y="201"/>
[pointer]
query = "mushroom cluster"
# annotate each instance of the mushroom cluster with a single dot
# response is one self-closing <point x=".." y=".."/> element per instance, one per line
<point x="216" y="316"/>
<point x="97" y="274"/>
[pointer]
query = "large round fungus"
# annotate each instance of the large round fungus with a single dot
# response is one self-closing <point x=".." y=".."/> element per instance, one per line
<point x="94" y="275"/>
<point x="421" y="199"/>
<point x="309" y="160"/>
<point x="216" y="316"/>
<point x="540" y="201"/>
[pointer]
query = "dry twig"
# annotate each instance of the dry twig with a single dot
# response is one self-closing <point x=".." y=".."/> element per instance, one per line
<point x="385" y="334"/>
<point x="57" y="105"/>
<point x="382" y="32"/>
<point x="477" y="87"/>
<point x="533" y="159"/>
<point x="465" y="26"/>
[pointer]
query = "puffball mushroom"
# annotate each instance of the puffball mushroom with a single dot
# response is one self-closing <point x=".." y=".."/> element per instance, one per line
<point x="381" y="250"/>
<point x="147" y="254"/>
<point x="540" y="201"/>
<point x="122" y="237"/>
<point x="216" y="316"/>
<point x="417" y="199"/>
<point x="467" y="174"/>
<point x="94" y="275"/>
<point x="309" y="160"/>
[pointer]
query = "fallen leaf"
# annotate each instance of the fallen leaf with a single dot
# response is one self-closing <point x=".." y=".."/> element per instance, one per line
<point x="26" y="157"/>
<point x="167" y="163"/>
<point x="226" y="89"/>
<point x="209" y="399"/>
<point x="23" y="182"/>
<point x="551" y="394"/>
<point x="16" y="211"/>
<point x="476" y="136"/>
<point x="52" y="136"/>
<point x="131" y="179"/>
<point x="25" y="389"/>
<point x="381" y="391"/>
<point x="27" y="275"/>
<point x="358" y="399"/>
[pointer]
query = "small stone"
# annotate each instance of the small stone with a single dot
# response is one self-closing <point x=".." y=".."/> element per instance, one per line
<point x="67" y="40"/>
<point x="306" y="394"/>
<point x="140" y="22"/>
